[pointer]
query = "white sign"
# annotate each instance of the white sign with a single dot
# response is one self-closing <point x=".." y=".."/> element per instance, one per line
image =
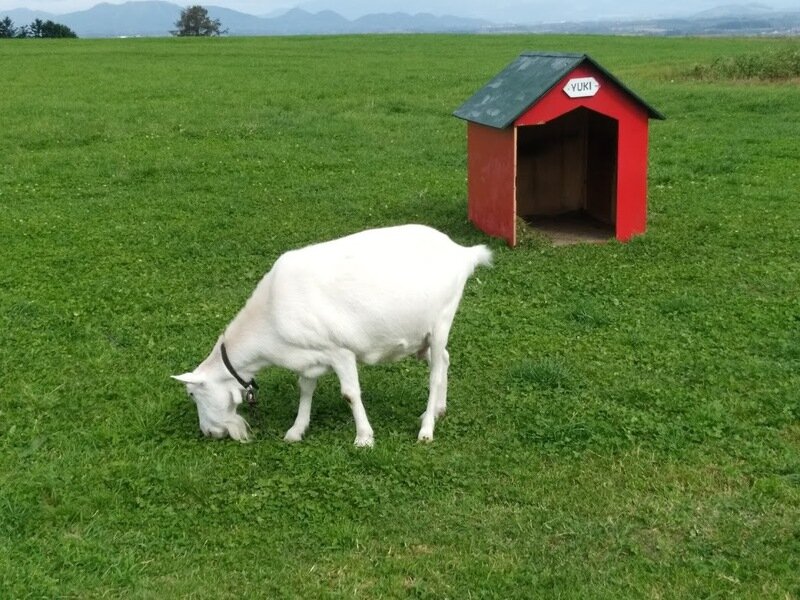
<point x="582" y="87"/>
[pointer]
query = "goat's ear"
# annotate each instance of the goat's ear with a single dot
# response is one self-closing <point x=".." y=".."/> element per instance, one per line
<point x="188" y="378"/>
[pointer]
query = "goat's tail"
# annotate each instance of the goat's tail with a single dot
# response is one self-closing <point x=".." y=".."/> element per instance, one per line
<point x="480" y="255"/>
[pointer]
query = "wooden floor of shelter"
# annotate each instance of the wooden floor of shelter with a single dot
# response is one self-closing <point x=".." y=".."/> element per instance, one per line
<point x="564" y="230"/>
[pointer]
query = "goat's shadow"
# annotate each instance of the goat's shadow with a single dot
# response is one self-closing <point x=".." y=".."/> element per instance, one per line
<point x="394" y="396"/>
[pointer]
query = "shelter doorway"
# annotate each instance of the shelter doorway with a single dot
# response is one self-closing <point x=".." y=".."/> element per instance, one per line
<point x="566" y="182"/>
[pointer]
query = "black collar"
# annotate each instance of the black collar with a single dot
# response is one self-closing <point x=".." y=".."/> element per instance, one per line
<point x="249" y="387"/>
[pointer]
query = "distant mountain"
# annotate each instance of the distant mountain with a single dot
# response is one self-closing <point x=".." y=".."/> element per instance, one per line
<point x="710" y="23"/>
<point x="152" y="18"/>
<point x="24" y="16"/>
<point x="297" y="21"/>
<point x="421" y="22"/>
<point x="525" y="12"/>
<point x="275" y="13"/>
<point x="735" y="10"/>
<point x="158" y="17"/>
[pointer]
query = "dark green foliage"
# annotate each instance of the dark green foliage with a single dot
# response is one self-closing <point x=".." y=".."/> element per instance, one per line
<point x="194" y="21"/>
<point x="623" y="419"/>
<point x="7" y="29"/>
<point x="37" y="29"/>
<point x="56" y="30"/>
<point x="783" y="63"/>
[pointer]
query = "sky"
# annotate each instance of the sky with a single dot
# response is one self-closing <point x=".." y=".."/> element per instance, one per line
<point x="495" y="10"/>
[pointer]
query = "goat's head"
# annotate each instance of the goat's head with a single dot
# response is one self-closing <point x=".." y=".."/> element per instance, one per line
<point x="216" y="400"/>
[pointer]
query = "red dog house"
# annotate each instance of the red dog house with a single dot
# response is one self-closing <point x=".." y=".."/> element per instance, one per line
<point x="560" y="142"/>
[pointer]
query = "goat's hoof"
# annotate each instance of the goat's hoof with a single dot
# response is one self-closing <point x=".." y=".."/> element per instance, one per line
<point x="366" y="441"/>
<point x="293" y="436"/>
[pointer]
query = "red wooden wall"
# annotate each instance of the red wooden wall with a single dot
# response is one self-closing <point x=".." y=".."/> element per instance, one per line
<point x="491" y="180"/>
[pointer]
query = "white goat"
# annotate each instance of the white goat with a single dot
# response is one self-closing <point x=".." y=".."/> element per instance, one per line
<point x="374" y="296"/>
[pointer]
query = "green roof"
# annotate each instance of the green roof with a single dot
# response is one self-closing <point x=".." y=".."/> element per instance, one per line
<point x="517" y="87"/>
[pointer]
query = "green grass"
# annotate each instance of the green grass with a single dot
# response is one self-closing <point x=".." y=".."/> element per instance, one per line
<point x="624" y="420"/>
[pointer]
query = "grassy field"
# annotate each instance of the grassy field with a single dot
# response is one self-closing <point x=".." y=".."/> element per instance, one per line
<point x="624" y="420"/>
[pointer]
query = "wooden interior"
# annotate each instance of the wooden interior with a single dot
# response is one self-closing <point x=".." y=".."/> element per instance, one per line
<point x="566" y="172"/>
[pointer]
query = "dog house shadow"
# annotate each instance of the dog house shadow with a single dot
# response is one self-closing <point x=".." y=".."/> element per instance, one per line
<point x="558" y="142"/>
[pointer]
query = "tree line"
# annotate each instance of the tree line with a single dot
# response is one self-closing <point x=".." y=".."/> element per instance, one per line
<point x="37" y="29"/>
<point x="194" y="21"/>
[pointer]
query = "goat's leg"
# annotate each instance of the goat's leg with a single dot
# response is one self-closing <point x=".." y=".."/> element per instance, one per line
<point x="347" y="371"/>
<point x="298" y="430"/>
<point x="441" y="399"/>
<point x="441" y="393"/>
<point x="437" y="395"/>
